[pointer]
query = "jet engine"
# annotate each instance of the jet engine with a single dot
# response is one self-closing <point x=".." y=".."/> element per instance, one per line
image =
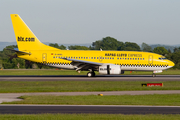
<point x="110" y="69"/>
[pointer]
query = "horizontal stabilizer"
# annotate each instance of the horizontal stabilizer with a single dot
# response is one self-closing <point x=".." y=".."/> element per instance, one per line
<point x="21" y="52"/>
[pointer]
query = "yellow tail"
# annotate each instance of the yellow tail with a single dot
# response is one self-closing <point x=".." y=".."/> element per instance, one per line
<point x="25" y="38"/>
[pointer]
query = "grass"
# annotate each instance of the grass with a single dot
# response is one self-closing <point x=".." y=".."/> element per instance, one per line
<point x="89" y="117"/>
<point x="73" y="72"/>
<point x="81" y="86"/>
<point x="156" y="99"/>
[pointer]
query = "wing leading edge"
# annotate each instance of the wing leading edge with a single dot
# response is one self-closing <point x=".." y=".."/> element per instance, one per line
<point x="84" y="65"/>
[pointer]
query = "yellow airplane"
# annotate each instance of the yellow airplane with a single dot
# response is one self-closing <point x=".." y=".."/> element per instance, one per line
<point x="105" y="62"/>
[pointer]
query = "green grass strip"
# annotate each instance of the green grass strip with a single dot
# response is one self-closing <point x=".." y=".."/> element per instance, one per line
<point x="89" y="117"/>
<point x="156" y="99"/>
<point x="81" y="86"/>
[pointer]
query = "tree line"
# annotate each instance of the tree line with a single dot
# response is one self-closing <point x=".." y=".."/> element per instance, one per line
<point x="9" y="60"/>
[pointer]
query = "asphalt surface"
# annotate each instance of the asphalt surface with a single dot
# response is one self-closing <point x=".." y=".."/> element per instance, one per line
<point x="37" y="109"/>
<point x="97" y="78"/>
<point x="9" y="97"/>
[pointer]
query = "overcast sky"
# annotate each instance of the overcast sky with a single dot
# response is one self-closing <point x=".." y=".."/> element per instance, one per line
<point x="85" y="21"/>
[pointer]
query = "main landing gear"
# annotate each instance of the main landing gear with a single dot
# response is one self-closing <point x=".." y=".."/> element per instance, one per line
<point x="91" y="74"/>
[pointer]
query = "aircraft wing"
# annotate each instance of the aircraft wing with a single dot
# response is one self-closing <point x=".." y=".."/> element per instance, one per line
<point x="84" y="65"/>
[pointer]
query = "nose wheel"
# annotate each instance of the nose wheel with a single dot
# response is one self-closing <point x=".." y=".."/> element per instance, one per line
<point x="91" y="74"/>
<point x="153" y="75"/>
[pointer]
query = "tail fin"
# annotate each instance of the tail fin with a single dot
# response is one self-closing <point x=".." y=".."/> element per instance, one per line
<point x="25" y="38"/>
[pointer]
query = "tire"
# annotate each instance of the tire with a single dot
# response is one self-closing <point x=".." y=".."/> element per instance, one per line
<point x="93" y="74"/>
<point x="89" y="74"/>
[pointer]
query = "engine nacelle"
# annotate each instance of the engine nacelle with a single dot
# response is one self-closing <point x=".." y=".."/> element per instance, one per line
<point x="110" y="69"/>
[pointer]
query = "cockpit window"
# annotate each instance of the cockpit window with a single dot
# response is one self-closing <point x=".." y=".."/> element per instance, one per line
<point x="162" y="58"/>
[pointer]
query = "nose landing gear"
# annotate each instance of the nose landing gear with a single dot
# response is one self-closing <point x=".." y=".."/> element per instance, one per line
<point x="153" y="75"/>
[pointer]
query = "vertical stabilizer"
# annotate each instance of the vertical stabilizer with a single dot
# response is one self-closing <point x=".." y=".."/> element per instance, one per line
<point x="25" y="38"/>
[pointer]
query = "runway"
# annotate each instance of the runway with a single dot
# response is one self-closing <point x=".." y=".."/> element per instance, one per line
<point x="85" y="78"/>
<point x="103" y="109"/>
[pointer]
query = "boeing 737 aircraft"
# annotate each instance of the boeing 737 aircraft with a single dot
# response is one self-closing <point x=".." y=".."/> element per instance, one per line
<point x="105" y="62"/>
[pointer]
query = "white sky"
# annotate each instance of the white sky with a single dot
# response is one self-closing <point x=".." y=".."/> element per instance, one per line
<point x="85" y="21"/>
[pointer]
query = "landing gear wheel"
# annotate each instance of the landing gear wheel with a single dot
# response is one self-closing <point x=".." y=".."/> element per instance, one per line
<point x="90" y="74"/>
<point x="153" y="75"/>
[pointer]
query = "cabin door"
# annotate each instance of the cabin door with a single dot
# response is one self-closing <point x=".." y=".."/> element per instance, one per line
<point x="100" y="58"/>
<point x="150" y="59"/>
<point x="44" y="57"/>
